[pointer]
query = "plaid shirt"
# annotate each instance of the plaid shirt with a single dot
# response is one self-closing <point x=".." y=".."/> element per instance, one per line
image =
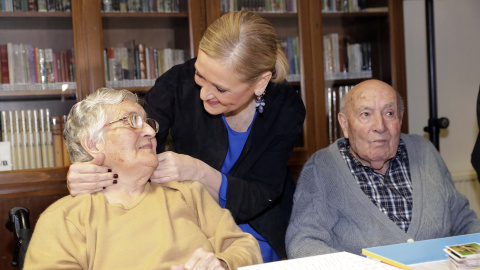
<point x="392" y="192"/>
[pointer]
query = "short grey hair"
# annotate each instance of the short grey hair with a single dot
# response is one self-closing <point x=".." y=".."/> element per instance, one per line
<point x="88" y="117"/>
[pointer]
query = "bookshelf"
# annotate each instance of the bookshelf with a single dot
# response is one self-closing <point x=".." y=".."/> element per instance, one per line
<point x="380" y="23"/>
<point x="89" y="30"/>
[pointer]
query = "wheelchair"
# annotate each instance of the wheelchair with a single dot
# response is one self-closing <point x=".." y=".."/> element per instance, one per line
<point x="18" y="222"/>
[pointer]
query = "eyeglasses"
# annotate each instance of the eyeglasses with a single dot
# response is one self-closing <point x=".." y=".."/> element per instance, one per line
<point x="136" y="121"/>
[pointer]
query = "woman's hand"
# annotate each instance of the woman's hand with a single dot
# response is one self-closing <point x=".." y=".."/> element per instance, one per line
<point x="178" y="167"/>
<point x="89" y="177"/>
<point x="202" y="260"/>
<point x="175" y="167"/>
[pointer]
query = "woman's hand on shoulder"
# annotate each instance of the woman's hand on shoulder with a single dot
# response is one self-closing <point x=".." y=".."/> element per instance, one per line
<point x="175" y="167"/>
<point x="202" y="260"/>
<point x="89" y="177"/>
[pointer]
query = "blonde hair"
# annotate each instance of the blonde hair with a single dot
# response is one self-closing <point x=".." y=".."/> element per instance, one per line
<point x="88" y="117"/>
<point x="247" y="44"/>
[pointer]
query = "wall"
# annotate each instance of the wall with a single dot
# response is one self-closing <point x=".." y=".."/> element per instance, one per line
<point x="457" y="36"/>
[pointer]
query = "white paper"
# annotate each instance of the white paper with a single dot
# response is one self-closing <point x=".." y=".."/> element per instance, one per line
<point x="333" y="261"/>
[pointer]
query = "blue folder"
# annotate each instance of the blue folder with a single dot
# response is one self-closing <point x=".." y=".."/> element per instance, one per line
<point x="419" y="251"/>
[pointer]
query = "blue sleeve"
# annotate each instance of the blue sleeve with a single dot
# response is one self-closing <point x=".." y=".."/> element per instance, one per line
<point x="222" y="193"/>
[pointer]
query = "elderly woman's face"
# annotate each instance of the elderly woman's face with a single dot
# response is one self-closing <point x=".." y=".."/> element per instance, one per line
<point x="125" y="146"/>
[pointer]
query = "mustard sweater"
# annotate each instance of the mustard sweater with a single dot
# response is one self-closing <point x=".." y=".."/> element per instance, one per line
<point x="163" y="227"/>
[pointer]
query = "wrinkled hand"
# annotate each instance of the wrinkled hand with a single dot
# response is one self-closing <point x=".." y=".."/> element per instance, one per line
<point x="175" y="167"/>
<point x="89" y="177"/>
<point x="202" y="260"/>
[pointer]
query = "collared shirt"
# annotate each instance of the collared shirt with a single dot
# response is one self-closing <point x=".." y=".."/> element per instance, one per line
<point x="392" y="192"/>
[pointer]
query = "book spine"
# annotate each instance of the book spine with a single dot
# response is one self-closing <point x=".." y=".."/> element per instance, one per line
<point x="50" y="151"/>
<point x="41" y="66"/>
<point x="42" y="5"/>
<point x="32" y="5"/>
<point x="57" y="140"/>
<point x="31" y="141"/>
<point x="4" y="127"/>
<point x="43" y="139"/>
<point x="37" y="140"/>
<point x="49" y="65"/>
<point x="12" y="137"/>
<point x="25" y="142"/>
<point x="4" y="64"/>
<point x="18" y="141"/>
<point x="10" y="63"/>
<point x="31" y="63"/>
<point x="142" y="61"/>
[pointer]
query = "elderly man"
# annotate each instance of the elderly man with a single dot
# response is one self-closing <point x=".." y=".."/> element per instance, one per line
<point x="376" y="186"/>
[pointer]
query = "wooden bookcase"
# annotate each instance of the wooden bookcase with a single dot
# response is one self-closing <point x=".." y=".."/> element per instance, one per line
<point x="89" y="30"/>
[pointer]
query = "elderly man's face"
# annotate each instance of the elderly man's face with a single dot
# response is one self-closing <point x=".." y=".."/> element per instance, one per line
<point x="372" y="123"/>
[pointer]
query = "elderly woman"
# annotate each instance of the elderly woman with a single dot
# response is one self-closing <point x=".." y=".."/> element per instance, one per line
<point x="134" y="224"/>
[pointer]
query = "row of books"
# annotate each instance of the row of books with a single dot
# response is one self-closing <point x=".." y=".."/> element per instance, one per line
<point x="464" y="256"/>
<point x="141" y="6"/>
<point x="334" y="99"/>
<point x="345" y="60"/>
<point x="35" y="139"/>
<point x="343" y="5"/>
<point x="290" y="47"/>
<point x="138" y="62"/>
<point x="27" y="64"/>
<point x="36" y="5"/>
<point x="285" y="6"/>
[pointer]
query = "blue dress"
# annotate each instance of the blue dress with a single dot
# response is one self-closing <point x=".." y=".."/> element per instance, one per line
<point x="236" y="142"/>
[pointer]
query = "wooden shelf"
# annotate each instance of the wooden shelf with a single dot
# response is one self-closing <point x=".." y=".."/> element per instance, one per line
<point x="30" y="14"/>
<point x="37" y="94"/>
<point x="144" y="14"/>
<point x="327" y="15"/>
<point x="35" y="182"/>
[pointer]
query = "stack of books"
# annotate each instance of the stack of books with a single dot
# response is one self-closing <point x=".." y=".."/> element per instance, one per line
<point x="465" y="256"/>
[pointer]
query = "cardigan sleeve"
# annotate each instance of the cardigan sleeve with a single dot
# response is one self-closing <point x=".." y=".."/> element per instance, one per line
<point x="231" y="244"/>
<point x="310" y="231"/>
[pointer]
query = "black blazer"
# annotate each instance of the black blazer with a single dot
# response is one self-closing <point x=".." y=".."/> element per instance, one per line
<point x="260" y="186"/>
<point x="476" y="149"/>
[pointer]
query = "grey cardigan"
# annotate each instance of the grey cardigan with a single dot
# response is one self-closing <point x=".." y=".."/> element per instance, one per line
<point x="331" y="213"/>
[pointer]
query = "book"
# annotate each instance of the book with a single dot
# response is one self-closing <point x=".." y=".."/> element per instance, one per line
<point x="405" y="254"/>
<point x="25" y="142"/>
<point x="12" y="138"/>
<point x="37" y="139"/>
<point x="4" y="64"/>
<point x="43" y="139"/>
<point x="18" y="141"/>
<point x="5" y="157"/>
<point x="142" y="62"/>
<point x="42" y="5"/>
<point x="30" y="140"/>
<point x="49" y="65"/>
<point x="4" y="127"/>
<point x="57" y="141"/>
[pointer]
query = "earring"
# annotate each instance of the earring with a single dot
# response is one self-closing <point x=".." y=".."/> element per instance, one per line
<point x="260" y="102"/>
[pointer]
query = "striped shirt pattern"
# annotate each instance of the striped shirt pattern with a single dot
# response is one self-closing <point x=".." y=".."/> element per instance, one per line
<point x="392" y="192"/>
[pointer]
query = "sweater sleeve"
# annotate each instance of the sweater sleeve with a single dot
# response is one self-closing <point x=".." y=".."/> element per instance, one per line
<point x="310" y="231"/>
<point x="56" y="243"/>
<point x="231" y="244"/>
